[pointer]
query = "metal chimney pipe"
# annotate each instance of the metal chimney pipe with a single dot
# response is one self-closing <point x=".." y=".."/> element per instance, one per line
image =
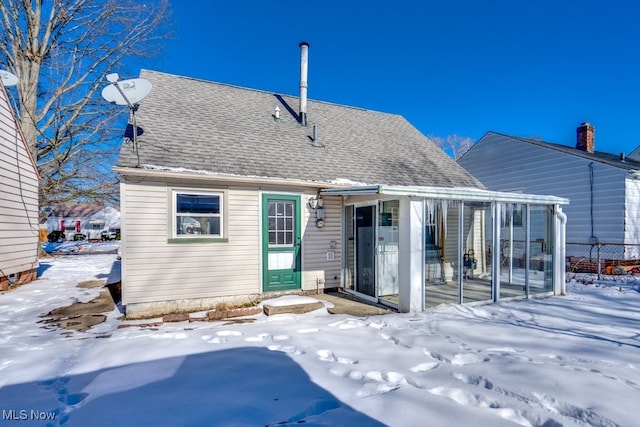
<point x="304" y="68"/>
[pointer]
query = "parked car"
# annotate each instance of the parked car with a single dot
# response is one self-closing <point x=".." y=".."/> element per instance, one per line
<point x="111" y="234"/>
<point x="79" y="236"/>
<point x="56" y="237"/>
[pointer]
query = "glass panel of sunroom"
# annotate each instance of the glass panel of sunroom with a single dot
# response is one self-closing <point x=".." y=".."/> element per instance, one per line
<point x="512" y="250"/>
<point x="477" y="235"/>
<point x="388" y="250"/>
<point x="350" y="258"/>
<point x="442" y="252"/>
<point x="541" y="249"/>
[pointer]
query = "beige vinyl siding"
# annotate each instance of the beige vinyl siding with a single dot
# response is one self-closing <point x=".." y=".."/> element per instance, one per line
<point x="318" y="272"/>
<point x="156" y="270"/>
<point x="18" y="198"/>
<point x="475" y="235"/>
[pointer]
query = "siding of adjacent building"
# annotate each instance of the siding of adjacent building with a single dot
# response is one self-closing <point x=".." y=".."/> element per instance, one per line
<point x="506" y="164"/>
<point x="632" y="217"/>
<point x="155" y="270"/>
<point x="18" y="199"/>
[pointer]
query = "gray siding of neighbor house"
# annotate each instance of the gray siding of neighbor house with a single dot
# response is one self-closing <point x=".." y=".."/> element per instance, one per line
<point x="507" y="164"/>
<point x="632" y="216"/>
<point x="18" y="198"/>
<point x="155" y="270"/>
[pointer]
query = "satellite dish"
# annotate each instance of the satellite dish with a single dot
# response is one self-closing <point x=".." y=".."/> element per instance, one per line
<point x="8" y="79"/>
<point x="133" y="89"/>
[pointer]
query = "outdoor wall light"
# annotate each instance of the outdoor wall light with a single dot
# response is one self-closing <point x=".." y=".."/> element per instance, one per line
<point x="315" y="202"/>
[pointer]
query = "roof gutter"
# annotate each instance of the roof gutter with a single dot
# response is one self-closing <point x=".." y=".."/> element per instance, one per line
<point x="204" y="176"/>
<point x="448" y="194"/>
<point x="333" y="189"/>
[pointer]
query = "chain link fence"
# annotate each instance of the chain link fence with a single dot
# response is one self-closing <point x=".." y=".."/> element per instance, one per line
<point x="603" y="258"/>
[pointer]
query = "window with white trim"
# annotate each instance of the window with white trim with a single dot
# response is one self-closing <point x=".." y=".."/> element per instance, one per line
<point x="197" y="214"/>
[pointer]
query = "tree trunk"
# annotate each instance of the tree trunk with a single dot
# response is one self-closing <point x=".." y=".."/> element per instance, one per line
<point x="28" y="73"/>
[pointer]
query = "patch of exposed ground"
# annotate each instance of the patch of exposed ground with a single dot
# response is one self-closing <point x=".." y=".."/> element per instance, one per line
<point x="81" y="316"/>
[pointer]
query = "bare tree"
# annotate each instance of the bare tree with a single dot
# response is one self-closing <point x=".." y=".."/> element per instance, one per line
<point x="454" y="145"/>
<point x="61" y="51"/>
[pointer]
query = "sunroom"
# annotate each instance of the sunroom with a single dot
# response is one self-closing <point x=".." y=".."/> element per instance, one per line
<point x="413" y="248"/>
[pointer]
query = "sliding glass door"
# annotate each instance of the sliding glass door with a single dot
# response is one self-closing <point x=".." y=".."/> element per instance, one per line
<point x="372" y="250"/>
<point x="365" y="250"/>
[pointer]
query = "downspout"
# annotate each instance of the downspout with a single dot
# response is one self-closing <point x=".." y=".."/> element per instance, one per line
<point x="527" y="249"/>
<point x="511" y="218"/>
<point x="593" y="238"/>
<point x="561" y="249"/>
<point x="495" y="259"/>
<point x="460" y="251"/>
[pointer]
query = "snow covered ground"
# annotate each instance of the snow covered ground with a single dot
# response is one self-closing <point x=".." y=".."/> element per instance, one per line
<point x="570" y="361"/>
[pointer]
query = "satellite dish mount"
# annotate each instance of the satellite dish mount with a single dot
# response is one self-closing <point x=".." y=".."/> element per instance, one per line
<point x="129" y="93"/>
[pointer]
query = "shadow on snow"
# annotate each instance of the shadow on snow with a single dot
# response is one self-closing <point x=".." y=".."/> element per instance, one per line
<point x="236" y="387"/>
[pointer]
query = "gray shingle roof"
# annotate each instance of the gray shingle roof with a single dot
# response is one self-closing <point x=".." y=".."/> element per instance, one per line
<point x="597" y="156"/>
<point x="200" y="125"/>
<point x="72" y="209"/>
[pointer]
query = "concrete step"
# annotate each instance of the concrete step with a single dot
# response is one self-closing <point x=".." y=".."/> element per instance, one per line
<point x="293" y="308"/>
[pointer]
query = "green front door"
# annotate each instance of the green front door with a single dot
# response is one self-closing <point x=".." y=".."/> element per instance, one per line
<point x="280" y="242"/>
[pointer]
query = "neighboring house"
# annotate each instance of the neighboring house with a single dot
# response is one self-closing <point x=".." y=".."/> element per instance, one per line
<point x="603" y="188"/>
<point x="234" y="194"/>
<point x="87" y="219"/>
<point x="18" y="202"/>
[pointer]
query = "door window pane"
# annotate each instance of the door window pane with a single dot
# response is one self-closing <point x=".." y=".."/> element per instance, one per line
<point x="281" y="222"/>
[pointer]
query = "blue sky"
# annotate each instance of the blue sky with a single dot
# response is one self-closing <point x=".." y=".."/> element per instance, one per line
<point x="526" y="68"/>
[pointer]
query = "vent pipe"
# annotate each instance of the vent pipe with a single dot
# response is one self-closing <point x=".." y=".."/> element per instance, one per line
<point x="304" y="67"/>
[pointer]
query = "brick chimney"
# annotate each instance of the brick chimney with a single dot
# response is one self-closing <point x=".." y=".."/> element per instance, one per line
<point x="586" y="137"/>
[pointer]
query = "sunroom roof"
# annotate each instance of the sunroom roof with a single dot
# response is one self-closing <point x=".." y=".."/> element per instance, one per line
<point x="454" y="193"/>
